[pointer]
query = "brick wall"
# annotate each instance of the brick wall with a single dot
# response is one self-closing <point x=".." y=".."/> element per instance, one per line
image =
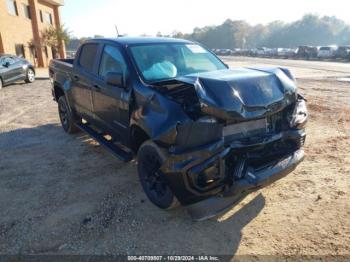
<point x="15" y="29"/>
<point x="21" y="30"/>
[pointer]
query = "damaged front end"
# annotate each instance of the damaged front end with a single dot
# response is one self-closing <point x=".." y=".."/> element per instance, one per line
<point x="243" y="130"/>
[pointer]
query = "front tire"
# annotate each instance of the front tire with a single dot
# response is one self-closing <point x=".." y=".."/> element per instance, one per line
<point x="66" y="117"/>
<point x="150" y="158"/>
<point x="30" y="76"/>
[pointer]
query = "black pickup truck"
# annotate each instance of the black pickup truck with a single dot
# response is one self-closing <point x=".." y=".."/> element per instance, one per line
<point x="204" y="135"/>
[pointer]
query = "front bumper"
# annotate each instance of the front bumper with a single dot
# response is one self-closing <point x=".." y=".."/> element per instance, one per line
<point x="264" y="161"/>
<point x="253" y="180"/>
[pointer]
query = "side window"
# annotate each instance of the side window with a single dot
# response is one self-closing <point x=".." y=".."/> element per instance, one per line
<point x="112" y="61"/>
<point x="12" y="7"/>
<point x="20" y="50"/>
<point x="41" y="16"/>
<point x="9" y="60"/>
<point x="48" y="18"/>
<point x="88" y="56"/>
<point x="26" y="9"/>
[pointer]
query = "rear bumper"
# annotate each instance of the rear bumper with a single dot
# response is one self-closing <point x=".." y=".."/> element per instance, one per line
<point x="253" y="180"/>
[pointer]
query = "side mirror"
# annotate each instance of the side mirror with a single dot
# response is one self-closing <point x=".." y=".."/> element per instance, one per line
<point x="115" y="79"/>
<point x="6" y="64"/>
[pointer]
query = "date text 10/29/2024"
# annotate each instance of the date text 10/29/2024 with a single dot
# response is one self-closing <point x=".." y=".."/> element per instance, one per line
<point x="173" y="258"/>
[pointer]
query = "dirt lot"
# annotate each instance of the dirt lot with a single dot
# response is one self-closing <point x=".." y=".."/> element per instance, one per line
<point x="67" y="195"/>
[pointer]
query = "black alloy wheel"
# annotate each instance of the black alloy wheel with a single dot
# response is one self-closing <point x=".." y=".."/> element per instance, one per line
<point x="150" y="159"/>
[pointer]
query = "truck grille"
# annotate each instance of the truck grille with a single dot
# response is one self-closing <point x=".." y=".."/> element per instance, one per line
<point x="274" y="122"/>
<point x="245" y="129"/>
<point x="254" y="128"/>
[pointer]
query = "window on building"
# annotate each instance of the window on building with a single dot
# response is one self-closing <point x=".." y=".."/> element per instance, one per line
<point x="12" y="7"/>
<point x="88" y="56"/>
<point x="41" y="16"/>
<point x="54" y="53"/>
<point x="48" y="18"/>
<point x="20" y="50"/>
<point x="26" y="9"/>
<point x="33" y="52"/>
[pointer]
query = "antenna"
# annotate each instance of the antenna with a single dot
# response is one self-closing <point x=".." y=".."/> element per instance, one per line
<point x="116" y="29"/>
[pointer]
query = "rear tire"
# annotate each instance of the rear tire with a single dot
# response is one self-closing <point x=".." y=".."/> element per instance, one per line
<point x="150" y="158"/>
<point x="30" y="76"/>
<point x="66" y="117"/>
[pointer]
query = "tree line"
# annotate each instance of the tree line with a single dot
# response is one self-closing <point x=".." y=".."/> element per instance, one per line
<point x="309" y="30"/>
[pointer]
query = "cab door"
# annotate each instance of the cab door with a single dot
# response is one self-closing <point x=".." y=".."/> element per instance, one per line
<point x="83" y="78"/>
<point x="111" y="103"/>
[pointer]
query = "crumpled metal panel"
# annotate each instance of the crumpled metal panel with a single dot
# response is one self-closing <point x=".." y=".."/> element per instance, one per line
<point x="231" y="95"/>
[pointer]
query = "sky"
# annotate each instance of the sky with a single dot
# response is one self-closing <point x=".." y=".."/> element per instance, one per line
<point x="136" y="17"/>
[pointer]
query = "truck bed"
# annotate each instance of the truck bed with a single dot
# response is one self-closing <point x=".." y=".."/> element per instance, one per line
<point x="64" y="61"/>
<point x="61" y="66"/>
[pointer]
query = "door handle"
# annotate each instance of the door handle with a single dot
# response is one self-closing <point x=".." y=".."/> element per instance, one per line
<point x="96" y="87"/>
<point x="76" y="78"/>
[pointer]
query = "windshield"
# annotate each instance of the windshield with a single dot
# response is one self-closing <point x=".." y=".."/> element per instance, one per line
<point x="160" y="62"/>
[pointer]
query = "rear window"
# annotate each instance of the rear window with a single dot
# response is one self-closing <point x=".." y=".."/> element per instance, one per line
<point x="88" y="56"/>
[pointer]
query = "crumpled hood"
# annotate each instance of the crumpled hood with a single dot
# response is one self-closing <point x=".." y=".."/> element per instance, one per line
<point x="243" y="93"/>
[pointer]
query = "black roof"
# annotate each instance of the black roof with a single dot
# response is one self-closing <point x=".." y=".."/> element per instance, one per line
<point x="141" y="40"/>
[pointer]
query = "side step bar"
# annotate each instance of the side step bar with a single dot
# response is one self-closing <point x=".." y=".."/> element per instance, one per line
<point x="116" y="150"/>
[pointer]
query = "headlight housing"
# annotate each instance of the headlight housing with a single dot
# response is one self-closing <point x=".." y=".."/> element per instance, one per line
<point x="299" y="116"/>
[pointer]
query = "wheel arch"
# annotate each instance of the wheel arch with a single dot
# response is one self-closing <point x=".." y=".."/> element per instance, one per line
<point x="32" y="68"/>
<point x="137" y="136"/>
<point x="58" y="91"/>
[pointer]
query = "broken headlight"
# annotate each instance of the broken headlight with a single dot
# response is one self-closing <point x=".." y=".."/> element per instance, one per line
<point x="299" y="116"/>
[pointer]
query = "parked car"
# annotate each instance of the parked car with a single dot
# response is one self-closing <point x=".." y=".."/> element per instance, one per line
<point x="253" y="52"/>
<point x="264" y="52"/>
<point x="237" y="51"/>
<point x="261" y="51"/>
<point x="273" y="52"/>
<point x="244" y="52"/>
<point x="70" y="54"/>
<point x="204" y="135"/>
<point x="285" y="52"/>
<point x="307" y="52"/>
<point x="327" y="51"/>
<point x="224" y="52"/>
<point x="13" y="69"/>
<point x="343" y="52"/>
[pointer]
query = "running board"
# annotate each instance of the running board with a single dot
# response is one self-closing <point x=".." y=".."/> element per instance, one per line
<point x="116" y="150"/>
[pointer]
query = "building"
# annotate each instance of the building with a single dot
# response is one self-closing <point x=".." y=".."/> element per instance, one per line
<point x="21" y="25"/>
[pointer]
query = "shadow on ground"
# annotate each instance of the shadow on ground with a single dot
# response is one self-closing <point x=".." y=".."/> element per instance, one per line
<point x="67" y="195"/>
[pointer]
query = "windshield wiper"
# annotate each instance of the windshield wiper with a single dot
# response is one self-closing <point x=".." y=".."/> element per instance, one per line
<point x="164" y="81"/>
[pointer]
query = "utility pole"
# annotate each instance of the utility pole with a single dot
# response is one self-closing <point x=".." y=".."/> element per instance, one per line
<point x="116" y="28"/>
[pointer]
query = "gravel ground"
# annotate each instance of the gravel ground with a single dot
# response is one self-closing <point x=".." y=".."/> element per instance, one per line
<point x="63" y="194"/>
